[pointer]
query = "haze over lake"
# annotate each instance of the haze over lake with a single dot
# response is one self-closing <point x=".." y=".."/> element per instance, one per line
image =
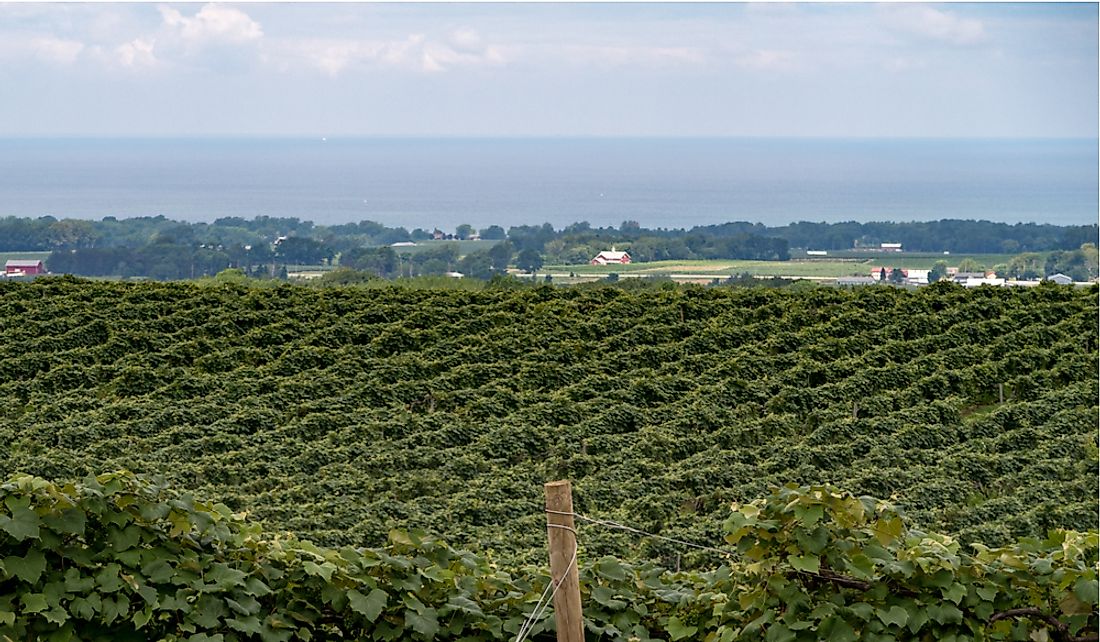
<point x="659" y="182"/>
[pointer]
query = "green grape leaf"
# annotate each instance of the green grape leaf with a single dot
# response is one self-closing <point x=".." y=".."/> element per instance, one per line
<point x="369" y="606"/>
<point x="806" y="563"/>
<point x="28" y="568"/>
<point x="22" y="525"/>
<point x="426" y="623"/>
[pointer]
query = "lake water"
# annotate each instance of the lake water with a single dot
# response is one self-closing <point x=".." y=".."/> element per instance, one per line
<point x="657" y="182"/>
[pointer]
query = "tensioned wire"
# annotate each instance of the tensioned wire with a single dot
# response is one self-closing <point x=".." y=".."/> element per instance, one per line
<point x="545" y="601"/>
<point x="638" y="531"/>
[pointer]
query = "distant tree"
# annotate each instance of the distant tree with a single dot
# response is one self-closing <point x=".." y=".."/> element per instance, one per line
<point x="420" y="234"/>
<point x="529" y="260"/>
<point x="381" y="261"/>
<point x="71" y="234"/>
<point x="389" y="236"/>
<point x="1073" y="264"/>
<point x="437" y="259"/>
<point x="1028" y="265"/>
<point x="1092" y="259"/>
<point x="493" y="233"/>
<point x="897" y="275"/>
<point x="938" y="271"/>
<point x="302" y="250"/>
<point x="882" y="274"/>
<point x="346" y="276"/>
<point x="500" y="255"/>
<point x="464" y="231"/>
<point x="970" y="265"/>
<point x="531" y="236"/>
<point x="434" y="267"/>
<point x="477" y="265"/>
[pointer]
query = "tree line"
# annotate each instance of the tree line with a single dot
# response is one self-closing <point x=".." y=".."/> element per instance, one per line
<point x="960" y="236"/>
<point x="163" y="248"/>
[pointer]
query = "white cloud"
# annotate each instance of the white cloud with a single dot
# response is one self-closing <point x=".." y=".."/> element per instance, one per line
<point x="137" y="53"/>
<point x="56" y="50"/>
<point x="466" y="41"/>
<point x="415" y="52"/>
<point x="625" y="55"/>
<point x="935" y="24"/>
<point x="213" y="22"/>
<point x="900" y="64"/>
<point x="768" y="60"/>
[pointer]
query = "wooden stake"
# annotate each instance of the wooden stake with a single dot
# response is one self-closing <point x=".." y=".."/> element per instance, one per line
<point x="568" y="615"/>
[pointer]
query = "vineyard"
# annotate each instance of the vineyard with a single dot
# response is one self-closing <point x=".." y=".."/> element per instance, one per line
<point x="343" y="414"/>
<point x="339" y="414"/>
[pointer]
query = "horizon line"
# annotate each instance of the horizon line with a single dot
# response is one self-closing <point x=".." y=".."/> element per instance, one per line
<point x="347" y="137"/>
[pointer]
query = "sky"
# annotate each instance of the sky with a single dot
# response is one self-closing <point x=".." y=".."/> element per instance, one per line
<point x="660" y="69"/>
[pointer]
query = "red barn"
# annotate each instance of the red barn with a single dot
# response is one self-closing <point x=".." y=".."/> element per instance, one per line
<point x="23" y="267"/>
<point x="606" y="257"/>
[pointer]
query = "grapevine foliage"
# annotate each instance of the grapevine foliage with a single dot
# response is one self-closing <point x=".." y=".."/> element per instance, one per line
<point x="340" y="414"/>
<point x="117" y="557"/>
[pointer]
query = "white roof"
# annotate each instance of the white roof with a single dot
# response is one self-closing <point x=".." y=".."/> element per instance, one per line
<point x="611" y="255"/>
<point x="23" y="263"/>
<point x="975" y="282"/>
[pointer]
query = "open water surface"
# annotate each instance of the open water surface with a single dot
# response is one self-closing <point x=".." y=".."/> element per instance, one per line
<point x="657" y="182"/>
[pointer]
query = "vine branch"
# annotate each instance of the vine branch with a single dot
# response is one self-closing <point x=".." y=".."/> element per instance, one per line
<point x="1058" y="625"/>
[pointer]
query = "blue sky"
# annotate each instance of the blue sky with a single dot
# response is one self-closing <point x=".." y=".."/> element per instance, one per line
<point x="877" y="70"/>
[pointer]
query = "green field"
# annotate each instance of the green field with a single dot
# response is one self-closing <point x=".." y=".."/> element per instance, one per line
<point x="464" y="247"/>
<point x="825" y="267"/>
<point x="9" y="256"/>
<point x="717" y="268"/>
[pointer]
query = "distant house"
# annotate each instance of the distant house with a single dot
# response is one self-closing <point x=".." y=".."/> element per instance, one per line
<point x="403" y="244"/>
<point x="817" y="253"/>
<point x="877" y="273"/>
<point x="963" y="277"/>
<point x="1059" y="278"/>
<point x="890" y="247"/>
<point x="22" y="267"/>
<point x="917" y="277"/>
<point x="984" y="280"/>
<point x="611" y="257"/>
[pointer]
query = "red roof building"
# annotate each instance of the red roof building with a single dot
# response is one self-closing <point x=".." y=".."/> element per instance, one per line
<point x="23" y="267"/>
<point x="610" y="258"/>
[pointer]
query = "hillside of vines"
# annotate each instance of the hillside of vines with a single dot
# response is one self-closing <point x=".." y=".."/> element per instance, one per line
<point x="339" y="414"/>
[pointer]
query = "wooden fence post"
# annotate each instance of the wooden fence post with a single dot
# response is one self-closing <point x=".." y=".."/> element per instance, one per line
<point x="568" y="615"/>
